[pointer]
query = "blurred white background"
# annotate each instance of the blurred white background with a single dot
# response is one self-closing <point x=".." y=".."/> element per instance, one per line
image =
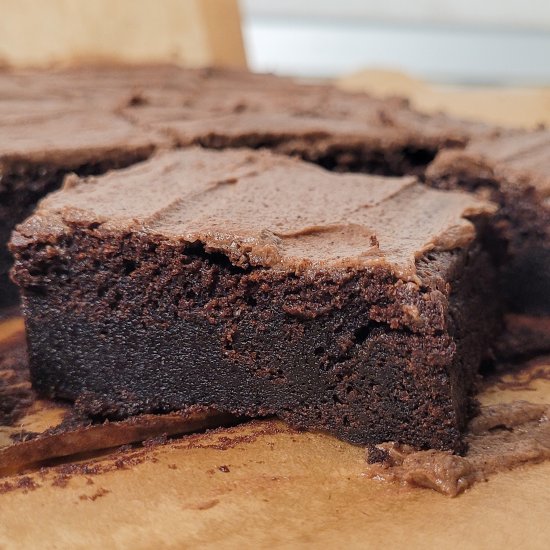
<point x="465" y="42"/>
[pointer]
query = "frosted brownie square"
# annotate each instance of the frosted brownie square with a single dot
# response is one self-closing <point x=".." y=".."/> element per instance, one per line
<point x="260" y="285"/>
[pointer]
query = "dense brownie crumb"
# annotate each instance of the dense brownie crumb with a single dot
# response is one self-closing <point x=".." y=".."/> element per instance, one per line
<point x="337" y="351"/>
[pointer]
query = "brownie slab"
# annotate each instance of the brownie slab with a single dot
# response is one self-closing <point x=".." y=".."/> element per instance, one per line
<point x="41" y="143"/>
<point x="260" y="285"/>
<point x="318" y="123"/>
<point x="513" y="170"/>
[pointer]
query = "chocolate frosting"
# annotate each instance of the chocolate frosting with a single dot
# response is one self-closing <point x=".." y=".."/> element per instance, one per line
<point x="524" y="156"/>
<point x="68" y="110"/>
<point x="502" y="437"/>
<point x="515" y="157"/>
<point x="259" y="208"/>
<point x="73" y="137"/>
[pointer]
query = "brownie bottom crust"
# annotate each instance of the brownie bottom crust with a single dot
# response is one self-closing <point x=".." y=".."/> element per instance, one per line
<point x="131" y="327"/>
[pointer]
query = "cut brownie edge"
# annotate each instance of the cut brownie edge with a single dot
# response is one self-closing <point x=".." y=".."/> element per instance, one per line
<point x="520" y="227"/>
<point x="254" y="342"/>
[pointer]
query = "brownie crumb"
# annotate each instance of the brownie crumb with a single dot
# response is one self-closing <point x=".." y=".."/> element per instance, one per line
<point x="206" y="505"/>
<point x="23" y="483"/>
<point x="376" y="454"/>
<point x="155" y="441"/>
<point x="98" y="494"/>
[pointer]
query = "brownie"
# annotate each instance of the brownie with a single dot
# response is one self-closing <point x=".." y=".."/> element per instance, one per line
<point x="260" y="285"/>
<point x="318" y="123"/>
<point x="513" y="170"/>
<point x="119" y="112"/>
<point x="41" y="142"/>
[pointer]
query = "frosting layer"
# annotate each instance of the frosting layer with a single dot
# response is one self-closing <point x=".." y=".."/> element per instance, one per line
<point x="259" y="208"/>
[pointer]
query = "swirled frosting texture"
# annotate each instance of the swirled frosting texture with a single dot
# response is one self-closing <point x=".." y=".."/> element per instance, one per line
<point x="263" y="209"/>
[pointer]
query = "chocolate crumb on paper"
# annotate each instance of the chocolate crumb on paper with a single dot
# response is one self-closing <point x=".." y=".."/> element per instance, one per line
<point x="502" y="437"/>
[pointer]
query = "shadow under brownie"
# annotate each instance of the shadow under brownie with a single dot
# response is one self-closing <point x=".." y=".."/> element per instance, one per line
<point x="260" y="285"/>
